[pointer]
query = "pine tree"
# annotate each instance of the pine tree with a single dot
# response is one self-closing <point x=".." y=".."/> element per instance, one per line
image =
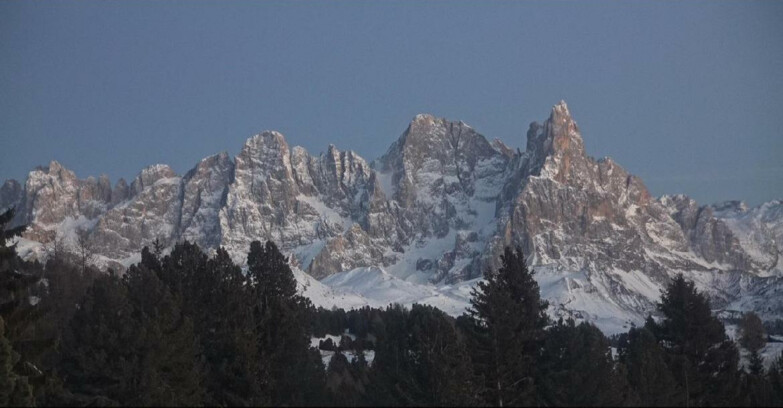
<point x="507" y="320"/>
<point x="702" y="359"/>
<point x="130" y="344"/>
<point x="270" y="274"/>
<point x="296" y="373"/>
<point x="390" y="381"/>
<point x="224" y="322"/>
<point x="774" y="378"/>
<point x="648" y="375"/>
<point x="442" y="359"/>
<point x="170" y="371"/>
<point x="578" y="368"/>
<point x="753" y="338"/>
<point x="15" y="286"/>
<point x="95" y="355"/>
<point x="60" y="299"/>
<point x="344" y="387"/>
<point x="421" y="361"/>
<point x="14" y="389"/>
<point x="18" y="318"/>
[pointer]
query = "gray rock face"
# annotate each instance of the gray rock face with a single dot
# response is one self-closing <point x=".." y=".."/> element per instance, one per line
<point x="759" y="232"/>
<point x="570" y="212"/>
<point x="55" y="199"/>
<point x="204" y="194"/>
<point x="438" y="207"/>
<point x="151" y="212"/>
<point x="709" y="237"/>
<point x="290" y="197"/>
<point x="444" y="178"/>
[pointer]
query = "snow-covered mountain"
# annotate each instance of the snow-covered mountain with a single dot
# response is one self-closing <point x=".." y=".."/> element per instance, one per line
<point x="424" y="221"/>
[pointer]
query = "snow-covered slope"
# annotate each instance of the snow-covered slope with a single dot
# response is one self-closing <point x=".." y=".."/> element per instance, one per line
<point x="380" y="289"/>
<point x="424" y="221"/>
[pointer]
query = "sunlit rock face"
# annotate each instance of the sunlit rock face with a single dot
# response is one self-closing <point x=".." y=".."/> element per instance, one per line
<point x="437" y="208"/>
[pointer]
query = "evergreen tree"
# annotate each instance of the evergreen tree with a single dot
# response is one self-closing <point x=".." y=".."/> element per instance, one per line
<point x="129" y="343"/>
<point x="648" y="375"/>
<point x="390" y="380"/>
<point x="15" y="286"/>
<point x="774" y="378"/>
<point x="296" y="373"/>
<point x="170" y="371"/>
<point x="421" y="361"/>
<point x="578" y="368"/>
<point x="506" y="322"/>
<point x="753" y="338"/>
<point x="19" y="317"/>
<point x="215" y="297"/>
<point x="14" y="389"/>
<point x="96" y="359"/>
<point x="702" y="359"/>
<point x="60" y="299"/>
<point x="225" y="325"/>
<point x="270" y="274"/>
<point x="444" y="365"/>
<point x="345" y="387"/>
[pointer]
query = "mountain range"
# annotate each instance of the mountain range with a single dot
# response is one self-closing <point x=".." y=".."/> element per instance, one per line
<point x="423" y="222"/>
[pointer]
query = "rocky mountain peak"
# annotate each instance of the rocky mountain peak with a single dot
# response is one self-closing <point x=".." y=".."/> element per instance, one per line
<point x="208" y="163"/>
<point x="558" y="135"/>
<point x="150" y="175"/>
<point x="267" y="138"/>
<point x="560" y="112"/>
<point x="267" y="151"/>
<point x="438" y="207"/>
<point x="423" y="120"/>
<point x="428" y="128"/>
<point x="58" y="171"/>
<point x="555" y="148"/>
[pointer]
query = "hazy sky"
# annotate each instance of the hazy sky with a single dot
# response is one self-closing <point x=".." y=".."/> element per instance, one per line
<point x="687" y="95"/>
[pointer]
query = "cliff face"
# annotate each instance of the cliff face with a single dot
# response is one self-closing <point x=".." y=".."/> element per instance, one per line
<point x="438" y="207"/>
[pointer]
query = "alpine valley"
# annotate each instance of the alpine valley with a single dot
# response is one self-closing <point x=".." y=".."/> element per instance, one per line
<point x="422" y="223"/>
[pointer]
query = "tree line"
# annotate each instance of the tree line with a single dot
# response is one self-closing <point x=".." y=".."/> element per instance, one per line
<point x="187" y="328"/>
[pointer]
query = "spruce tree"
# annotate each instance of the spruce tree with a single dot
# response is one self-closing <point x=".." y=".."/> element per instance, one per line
<point x="345" y="388"/>
<point x="170" y="371"/>
<point x="96" y="358"/>
<point x="578" y="368"/>
<point x="774" y="378"/>
<point x="15" y="285"/>
<point x="702" y="359"/>
<point x="224" y="323"/>
<point x="14" y="389"/>
<point x="753" y="338"/>
<point x="295" y="372"/>
<point x="18" y="317"/>
<point x="420" y="360"/>
<point x="507" y="320"/>
<point x="130" y="344"/>
<point x="645" y="364"/>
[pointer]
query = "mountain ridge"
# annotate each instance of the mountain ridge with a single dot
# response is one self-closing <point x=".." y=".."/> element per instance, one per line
<point x="437" y="208"/>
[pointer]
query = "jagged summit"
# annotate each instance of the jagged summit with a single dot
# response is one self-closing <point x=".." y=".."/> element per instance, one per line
<point x="266" y="135"/>
<point x="55" y="168"/>
<point x="560" y="111"/>
<point x="150" y="175"/>
<point x="437" y="208"/>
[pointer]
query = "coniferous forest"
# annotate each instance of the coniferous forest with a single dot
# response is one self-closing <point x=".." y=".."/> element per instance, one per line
<point x="192" y="329"/>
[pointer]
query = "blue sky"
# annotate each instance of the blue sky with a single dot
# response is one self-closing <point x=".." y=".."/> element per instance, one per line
<point x="687" y="95"/>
